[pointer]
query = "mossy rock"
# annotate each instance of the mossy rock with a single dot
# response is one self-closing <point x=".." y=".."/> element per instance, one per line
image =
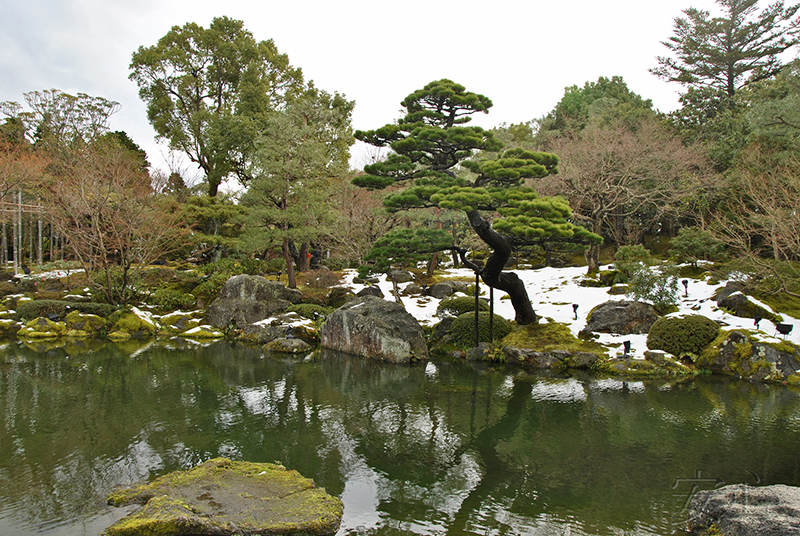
<point x="225" y="497"/>
<point x="84" y="325"/>
<point x="179" y="322"/>
<point x="644" y="368"/>
<point x="8" y="327"/>
<point x="127" y="324"/>
<point x="288" y="346"/>
<point x="202" y="332"/>
<point x="42" y="328"/>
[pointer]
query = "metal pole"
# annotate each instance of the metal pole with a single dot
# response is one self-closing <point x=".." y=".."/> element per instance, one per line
<point x="491" y="313"/>
<point x="477" y="288"/>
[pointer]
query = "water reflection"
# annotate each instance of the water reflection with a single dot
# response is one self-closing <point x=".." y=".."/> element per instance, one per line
<point x="439" y="448"/>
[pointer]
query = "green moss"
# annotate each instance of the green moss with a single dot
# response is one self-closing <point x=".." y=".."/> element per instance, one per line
<point x="462" y="330"/>
<point x="129" y="322"/>
<point x="545" y="337"/>
<point x="257" y="498"/>
<point x="458" y="305"/>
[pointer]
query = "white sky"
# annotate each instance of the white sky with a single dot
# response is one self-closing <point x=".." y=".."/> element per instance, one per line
<point x="520" y="54"/>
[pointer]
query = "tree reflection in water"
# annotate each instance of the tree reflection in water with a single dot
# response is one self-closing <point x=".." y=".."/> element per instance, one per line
<point x="436" y="448"/>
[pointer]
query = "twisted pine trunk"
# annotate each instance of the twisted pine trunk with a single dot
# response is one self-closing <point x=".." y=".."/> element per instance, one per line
<point x="493" y="274"/>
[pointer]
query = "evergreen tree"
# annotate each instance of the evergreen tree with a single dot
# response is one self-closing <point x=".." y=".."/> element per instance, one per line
<point x="207" y="91"/>
<point x="431" y="144"/>
<point x="727" y="52"/>
<point x="301" y="148"/>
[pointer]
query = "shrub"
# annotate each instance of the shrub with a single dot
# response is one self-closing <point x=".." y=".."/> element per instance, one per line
<point x="167" y="299"/>
<point x="658" y="287"/>
<point x="629" y="259"/>
<point x="36" y="308"/>
<point x="458" y="305"/>
<point x="463" y="329"/>
<point x="688" y="335"/>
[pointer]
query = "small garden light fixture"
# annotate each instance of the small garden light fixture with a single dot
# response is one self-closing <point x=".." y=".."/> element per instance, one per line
<point x="784" y="329"/>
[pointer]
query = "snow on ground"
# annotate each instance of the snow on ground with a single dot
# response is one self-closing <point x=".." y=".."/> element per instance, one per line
<point x="553" y="291"/>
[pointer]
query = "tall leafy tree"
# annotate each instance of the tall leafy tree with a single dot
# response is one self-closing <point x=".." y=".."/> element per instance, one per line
<point x="59" y="122"/>
<point x="431" y="144"/>
<point x="607" y="100"/>
<point x="207" y="91"/>
<point x="741" y="46"/>
<point x="302" y="147"/>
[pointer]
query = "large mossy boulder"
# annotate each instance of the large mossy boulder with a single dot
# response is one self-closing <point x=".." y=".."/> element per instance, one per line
<point x="246" y="299"/>
<point x="224" y="497"/>
<point x="622" y="317"/>
<point x="735" y="353"/>
<point x="375" y="328"/>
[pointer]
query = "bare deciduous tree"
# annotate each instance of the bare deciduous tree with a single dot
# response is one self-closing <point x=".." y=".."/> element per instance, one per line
<point x="760" y="221"/>
<point x="115" y="225"/>
<point x="620" y="180"/>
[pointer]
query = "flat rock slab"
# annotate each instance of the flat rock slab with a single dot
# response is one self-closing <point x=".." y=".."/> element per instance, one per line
<point x="225" y="497"/>
<point x="741" y="510"/>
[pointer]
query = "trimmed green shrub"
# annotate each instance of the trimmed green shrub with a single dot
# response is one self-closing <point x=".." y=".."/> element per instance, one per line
<point x="36" y="308"/>
<point x="458" y="305"/>
<point x="307" y="310"/>
<point x="682" y="336"/>
<point x="463" y="329"/>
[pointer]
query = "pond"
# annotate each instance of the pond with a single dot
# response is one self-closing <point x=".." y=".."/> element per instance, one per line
<point x="435" y="448"/>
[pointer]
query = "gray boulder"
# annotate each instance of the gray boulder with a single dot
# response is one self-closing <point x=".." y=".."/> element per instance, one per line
<point x="444" y="289"/>
<point x="621" y="317"/>
<point x="245" y="299"/>
<point x="742" y="510"/>
<point x="401" y="276"/>
<point x="370" y="291"/>
<point x="376" y="329"/>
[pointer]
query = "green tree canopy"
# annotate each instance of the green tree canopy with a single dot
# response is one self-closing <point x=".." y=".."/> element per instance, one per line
<point x="301" y="148"/>
<point x="431" y="163"/>
<point x="607" y="100"/>
<point x="207" y="91"/>
<point x="727" y="52"/>
<point x="59" y="122"/>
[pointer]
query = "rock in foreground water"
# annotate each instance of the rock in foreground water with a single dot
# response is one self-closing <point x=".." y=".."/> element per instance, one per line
<point x="225" y="497"/>
<point x="741" y="510"/>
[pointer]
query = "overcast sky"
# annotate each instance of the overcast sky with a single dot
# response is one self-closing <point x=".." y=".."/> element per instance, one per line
<point x="521" y="54"/>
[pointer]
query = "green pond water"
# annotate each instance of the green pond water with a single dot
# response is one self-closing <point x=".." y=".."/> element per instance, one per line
<point x="436" y="448"/>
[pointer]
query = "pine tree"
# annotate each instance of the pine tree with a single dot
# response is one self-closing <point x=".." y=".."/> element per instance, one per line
<point x="432" y="161"/>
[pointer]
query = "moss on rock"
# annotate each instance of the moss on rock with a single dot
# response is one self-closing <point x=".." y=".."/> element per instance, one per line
<point x="225" y="497"/>
<point x="81" y="325"/>
<point x="42" y="328"/>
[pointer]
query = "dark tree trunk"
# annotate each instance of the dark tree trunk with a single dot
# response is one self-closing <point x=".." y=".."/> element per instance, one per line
<point x="287" y="256"/>
<point x="303" y="258"/>
<point x="493" y="274"/>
